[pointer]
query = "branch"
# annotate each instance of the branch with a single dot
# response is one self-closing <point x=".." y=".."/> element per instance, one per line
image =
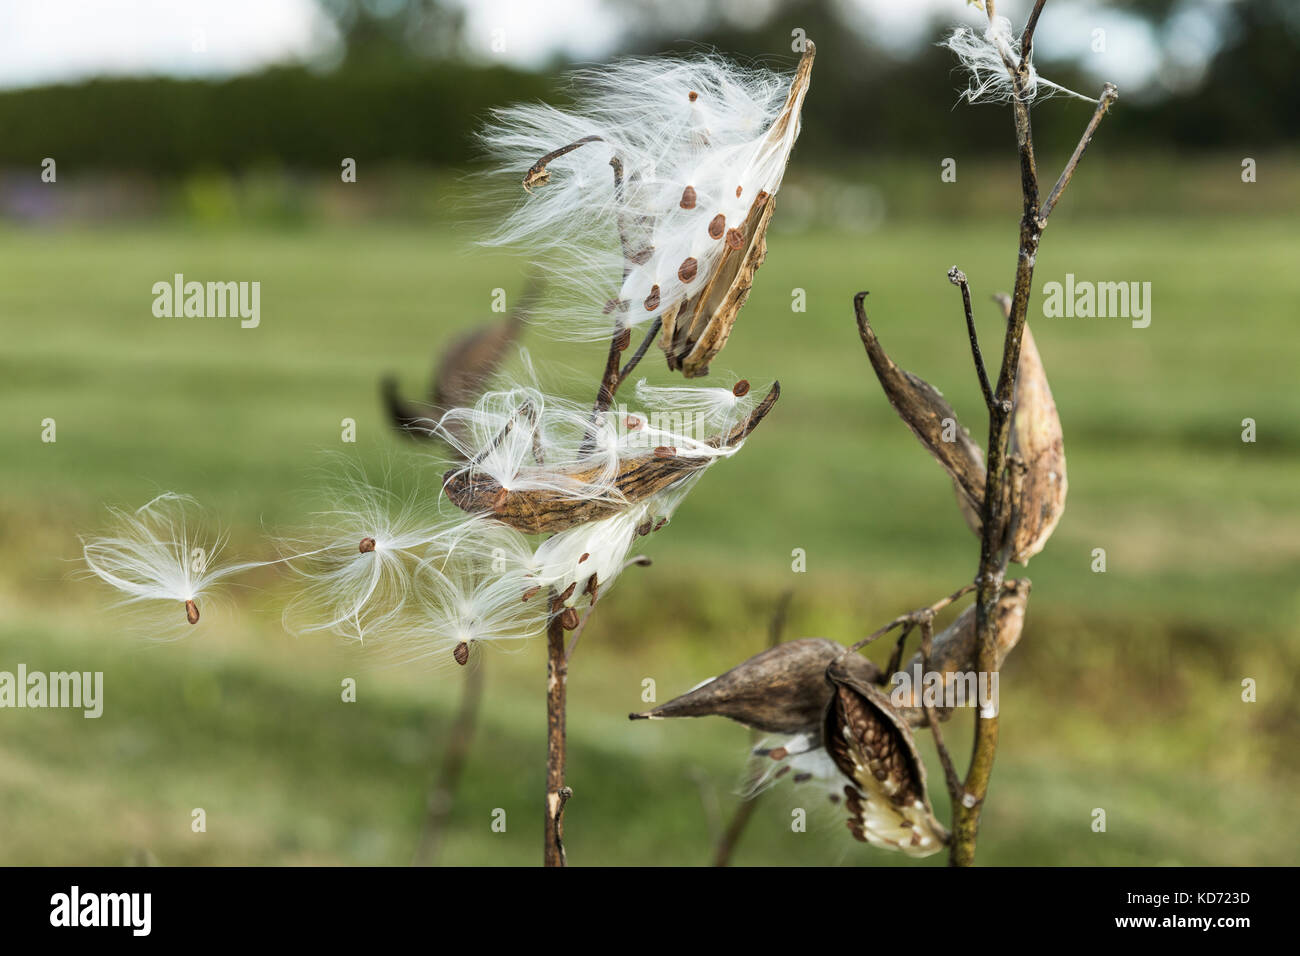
<point x="1109" y="94"/>
<point x="958" y="278"/>
<point x="557" y="794"/>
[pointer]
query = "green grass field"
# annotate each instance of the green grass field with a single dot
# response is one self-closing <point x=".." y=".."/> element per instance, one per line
<point x="1125" y="693"/>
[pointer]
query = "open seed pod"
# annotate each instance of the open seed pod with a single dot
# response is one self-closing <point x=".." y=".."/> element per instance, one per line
<point x="549" y="509"/>
<point x="782" y="690"/>
<point x="953" y="654"/>
<point x="927" y="413"/>
<point x="1038" y="439"/>
<point x="871" y="744"/>
<point x="696" y="327"/>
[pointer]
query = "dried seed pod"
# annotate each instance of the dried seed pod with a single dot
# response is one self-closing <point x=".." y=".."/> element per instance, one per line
<point x="782" y="690"/>
<point x="1038" y="439"/>
<point x="953" y="654"/>
<point x="925" y="411"/>
<point x="463" y="370"/>
<point x="695" y="330"/>
<point x="870" y="743"/>
<point x="550" y="509"/>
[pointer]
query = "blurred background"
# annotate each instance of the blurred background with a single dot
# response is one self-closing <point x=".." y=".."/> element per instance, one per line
<point x="207" y="138"/>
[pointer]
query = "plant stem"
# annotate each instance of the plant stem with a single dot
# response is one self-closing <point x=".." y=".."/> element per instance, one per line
<point x="557" y="794"/>
<point x="443" y="795"/>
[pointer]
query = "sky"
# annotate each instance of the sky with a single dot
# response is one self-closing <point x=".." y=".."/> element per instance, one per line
<point x="52" y="41"/>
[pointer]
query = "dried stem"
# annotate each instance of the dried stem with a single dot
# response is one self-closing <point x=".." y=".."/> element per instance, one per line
<point x="731" y="836"/>
<point x="958" y="278"/>
<point x="443" y="796"/>
<point x="993" y="554"/>
<point x="557" y="794"/>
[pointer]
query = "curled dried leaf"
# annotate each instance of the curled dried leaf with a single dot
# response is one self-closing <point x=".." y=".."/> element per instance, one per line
<point x="871" y="744"/>
<point x="953" y="654"/>
<point x="931" y="419"/>
<point x="782" y="690"/>
<point x="549" y="509"/>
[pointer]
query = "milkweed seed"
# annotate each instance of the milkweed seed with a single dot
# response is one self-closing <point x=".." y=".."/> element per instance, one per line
<point x="531" y="592"/>
<point x="644" y="528"/>
<point x="568" y="592"/>
<point x="652" y="300"/>
<point x="642" y="257"/>
<point x="686" y="271"/>
<point x="585" y="556"/>
<point x="632" y="422"/>
<point x="735" y="238"/>
<point x="688" y="198"/>
<point x="692" y="96"/>
<point x="782" y="772"/>
<point x="779" y="753"/>
<point x="367" y="545"/>
<point x="660" y="523"/>
<point x="738" y="191"/>
<point x="717" y="226"/>
<point x="461" y="653"/>
<point x="569" y="619"/>
<point x="802" y="777"/>
<point x="741" y="388"/>
<point x="191" y="611"/>
<point x="665" y="451"/>
<point x="623" y="340"/>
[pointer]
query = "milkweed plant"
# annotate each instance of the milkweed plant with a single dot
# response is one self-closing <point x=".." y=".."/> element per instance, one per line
<point x="645" y="206"/>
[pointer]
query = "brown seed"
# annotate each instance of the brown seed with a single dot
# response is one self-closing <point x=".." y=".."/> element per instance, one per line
<point x="660" y="523"/>
<point x="782" y="772"/>
<point x="191" y="611"/>
<point x="644" y="528"/>
<point x="568" y="619"/>
<point x="367" y="545"/>
<point x="585" y="556"/>
<point x="632" y="422"/>
<point x="568" y="592"/>
<point x="802" y="777"/>
<point x="717" y="226"/>
<point x="532" y="592"/>
<point x="612" y="305"/>
<point x="692" y="96"/>
<point x="741" y="388"/>
<point x="833" y="797"/>
<point x="735" y="238"/>
<point x="780" y="753"/>
<point x="652" y="300"/>
<point x="738" y="191"/>
<point x="623" y="340"/>
<point x="642" y="257"/>
<point x="686" y="271"/>
<point x="688" y="198"/>
<point x="665" y="451"/>
<point x="461" y="653"/>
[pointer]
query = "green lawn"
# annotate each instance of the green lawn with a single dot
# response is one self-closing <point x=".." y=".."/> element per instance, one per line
<point x="1124" y="694"/>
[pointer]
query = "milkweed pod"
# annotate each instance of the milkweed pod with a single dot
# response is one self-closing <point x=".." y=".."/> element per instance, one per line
<point x="953" y="653"/>
<point x="781" y="690"/>
<point x="870" y="743"/>
<point x="1038" y="439"/>
<point x="931" y="419"/>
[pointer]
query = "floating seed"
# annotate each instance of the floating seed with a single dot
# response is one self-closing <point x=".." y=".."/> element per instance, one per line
<point x="717" y="226"/>
<point x="738" y="191"/>
<point x="660" y="523"/>
<point x="623" y="340"/>
<point x="780" y="753"/>
<point x="568" y="592"/>
<point x="652" y="300"/>
<point x="735" y="238"/>
<point x="692" y="96"/>
<point x="532" y="592"/>
<point x="585" y="556"/>
<point x="688" y="198"/>
<point x="644" y="528"/>
<point x="367" y="545"/>
<point x="740" y="389"/>
<point x="686" y="271"/>
<point x="782" y="772"/>
<point x="461" y="653"/>
<point x="191" y="611"/>
<point x="802" y="777"/>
